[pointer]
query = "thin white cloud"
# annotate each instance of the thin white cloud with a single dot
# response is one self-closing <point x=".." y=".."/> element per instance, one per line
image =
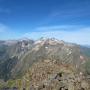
<point x="69" y="33"/>
<point x="7" y="33"/>
<point x="3" y="28"/>
<point x="69" y="12"/>
<point x="77" y="35"/>
<point x="59" y="27"/>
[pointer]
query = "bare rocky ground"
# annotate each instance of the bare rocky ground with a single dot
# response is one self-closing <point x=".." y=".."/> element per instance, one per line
<point x="50" y="75"/>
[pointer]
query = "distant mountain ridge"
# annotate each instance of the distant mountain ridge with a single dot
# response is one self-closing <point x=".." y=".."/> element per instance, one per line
<point x="18" y="56"/>
<point x="87" y="46"/>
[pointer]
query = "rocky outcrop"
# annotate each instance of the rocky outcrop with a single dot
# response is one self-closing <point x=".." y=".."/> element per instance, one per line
<point x="50" y="75"/>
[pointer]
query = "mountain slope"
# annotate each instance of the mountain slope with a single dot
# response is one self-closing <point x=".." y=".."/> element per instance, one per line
<point x="10" y="54"/>
<point x="18" y="57"/>
<point x="52" y="49"/>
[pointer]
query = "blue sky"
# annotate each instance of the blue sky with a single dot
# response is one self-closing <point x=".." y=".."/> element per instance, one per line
<point x="68" y="20"/>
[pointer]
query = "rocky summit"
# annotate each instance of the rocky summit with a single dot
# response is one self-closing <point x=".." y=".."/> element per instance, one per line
<point x="44" y="64"/>
<point x="52" y="75"/>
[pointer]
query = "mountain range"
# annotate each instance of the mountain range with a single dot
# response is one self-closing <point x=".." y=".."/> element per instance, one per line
<point x="43" y="60"/>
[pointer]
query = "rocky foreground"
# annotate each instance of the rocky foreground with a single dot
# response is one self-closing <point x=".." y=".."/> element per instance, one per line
<point x="52" y="75"/>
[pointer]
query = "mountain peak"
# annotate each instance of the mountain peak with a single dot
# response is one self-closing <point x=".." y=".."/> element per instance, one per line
<point x="50" y="41"/>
